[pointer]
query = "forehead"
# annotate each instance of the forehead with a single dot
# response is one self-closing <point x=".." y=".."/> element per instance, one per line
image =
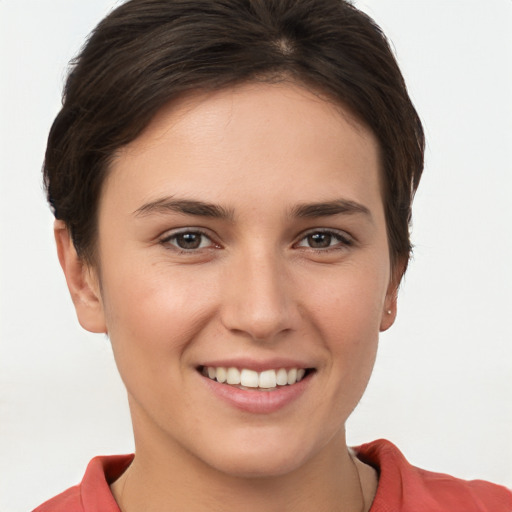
<point x="251" y="106"/>
<point x="250" y="141"/>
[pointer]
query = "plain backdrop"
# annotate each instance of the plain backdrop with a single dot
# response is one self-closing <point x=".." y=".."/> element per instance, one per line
<point x="442" y="387"/>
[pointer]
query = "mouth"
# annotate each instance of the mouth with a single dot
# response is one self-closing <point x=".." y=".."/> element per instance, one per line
<point x="251" y="380"/>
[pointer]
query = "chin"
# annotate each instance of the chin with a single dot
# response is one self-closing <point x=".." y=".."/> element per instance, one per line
<point x="264" y="454"/>
<point x="259" y="466"/>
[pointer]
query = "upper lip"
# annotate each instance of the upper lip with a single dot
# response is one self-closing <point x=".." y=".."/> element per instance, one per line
<point x="257" y="365"/>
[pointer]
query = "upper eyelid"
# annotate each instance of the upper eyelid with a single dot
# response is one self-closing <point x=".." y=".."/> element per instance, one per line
<point x="330" y="231"/>
<point x="168" y="236"/>
<point x="344" y="240"/>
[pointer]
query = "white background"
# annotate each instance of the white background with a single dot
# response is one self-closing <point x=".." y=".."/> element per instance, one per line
<point x="442" y="388"/>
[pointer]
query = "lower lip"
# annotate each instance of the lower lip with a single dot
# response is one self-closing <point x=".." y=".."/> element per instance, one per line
<point x="257" y="402"/>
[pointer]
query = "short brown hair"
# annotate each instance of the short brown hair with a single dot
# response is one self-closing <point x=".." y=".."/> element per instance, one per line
<point x="149" y="52"/>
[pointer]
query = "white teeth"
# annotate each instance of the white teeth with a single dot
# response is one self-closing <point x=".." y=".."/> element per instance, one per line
<point x="249" y="378"/>
<point x="292" y="376"/>
<point x="233" y="376"/>
<point x="222" y="374"/>
<point x="266" y="380"/>
<point x="281" y="377"/>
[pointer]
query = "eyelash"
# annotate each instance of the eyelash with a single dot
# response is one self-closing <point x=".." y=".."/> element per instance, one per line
<point x="167" y="240"/>
<point x="343" y="240"/>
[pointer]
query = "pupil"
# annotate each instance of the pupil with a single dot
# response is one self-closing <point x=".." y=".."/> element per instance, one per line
<point x="319" y="240"/>
<point x="189" y="240"/>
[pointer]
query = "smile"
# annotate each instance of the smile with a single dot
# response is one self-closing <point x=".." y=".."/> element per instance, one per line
<point x="244" y="378"/>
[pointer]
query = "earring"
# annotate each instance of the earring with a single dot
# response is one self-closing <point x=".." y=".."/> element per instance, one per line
<point x="389" y="311"/>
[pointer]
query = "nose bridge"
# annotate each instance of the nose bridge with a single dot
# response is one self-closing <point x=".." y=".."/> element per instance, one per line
<point x="259" y="300"/>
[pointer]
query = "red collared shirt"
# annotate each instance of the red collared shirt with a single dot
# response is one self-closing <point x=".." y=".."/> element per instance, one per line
<point x="402" y="487"/>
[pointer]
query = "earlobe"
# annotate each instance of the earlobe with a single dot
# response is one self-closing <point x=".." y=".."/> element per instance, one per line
<point x="82" y="281"/>
<point x="390" y="303"/>
<point x="389" y="312"/>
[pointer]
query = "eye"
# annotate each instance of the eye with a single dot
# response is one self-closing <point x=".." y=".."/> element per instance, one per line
<point x="190" y="240"/>
<point x="325" y="240"/>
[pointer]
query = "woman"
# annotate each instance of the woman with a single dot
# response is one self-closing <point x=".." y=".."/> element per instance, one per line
<point x="232" y="183"/>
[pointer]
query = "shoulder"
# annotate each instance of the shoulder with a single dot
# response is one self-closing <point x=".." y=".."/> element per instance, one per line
<point x="93" y="493"/>
<point x="403" y="487"/>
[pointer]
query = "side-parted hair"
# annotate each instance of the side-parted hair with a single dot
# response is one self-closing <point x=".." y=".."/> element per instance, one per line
<point x="147" y="53"/>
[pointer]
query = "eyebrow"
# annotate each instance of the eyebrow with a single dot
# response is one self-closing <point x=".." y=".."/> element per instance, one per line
<point x="328" y="208"/>
<point x="205" y="209"/>
<point x="184" y="206"/>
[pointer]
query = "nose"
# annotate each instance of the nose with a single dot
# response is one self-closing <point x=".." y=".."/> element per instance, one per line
<point x="259" y="300"/>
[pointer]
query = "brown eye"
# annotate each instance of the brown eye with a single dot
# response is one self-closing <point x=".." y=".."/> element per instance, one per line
<point x="325" y="240"/>
<point x="319" y="240"/>
<point x="188" y="240"/>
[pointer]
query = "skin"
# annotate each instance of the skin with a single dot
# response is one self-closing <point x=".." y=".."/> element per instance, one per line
<point x="258" y="286"/>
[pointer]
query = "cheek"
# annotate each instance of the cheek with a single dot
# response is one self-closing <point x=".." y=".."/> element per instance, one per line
<point x="154" y="313"/>
<point x="350" y="301"/>
<point x="346" y="310"/>
<point x="151" y="319"/>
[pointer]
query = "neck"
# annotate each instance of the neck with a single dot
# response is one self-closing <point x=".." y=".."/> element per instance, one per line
<point x="173" y="479"/>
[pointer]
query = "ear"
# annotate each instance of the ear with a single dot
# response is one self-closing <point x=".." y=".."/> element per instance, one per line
<point x="390" y="302"/>
<point x="82" y="280"/>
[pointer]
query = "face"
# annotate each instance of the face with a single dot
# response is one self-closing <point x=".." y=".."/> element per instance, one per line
<point x="243" y="233"/>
